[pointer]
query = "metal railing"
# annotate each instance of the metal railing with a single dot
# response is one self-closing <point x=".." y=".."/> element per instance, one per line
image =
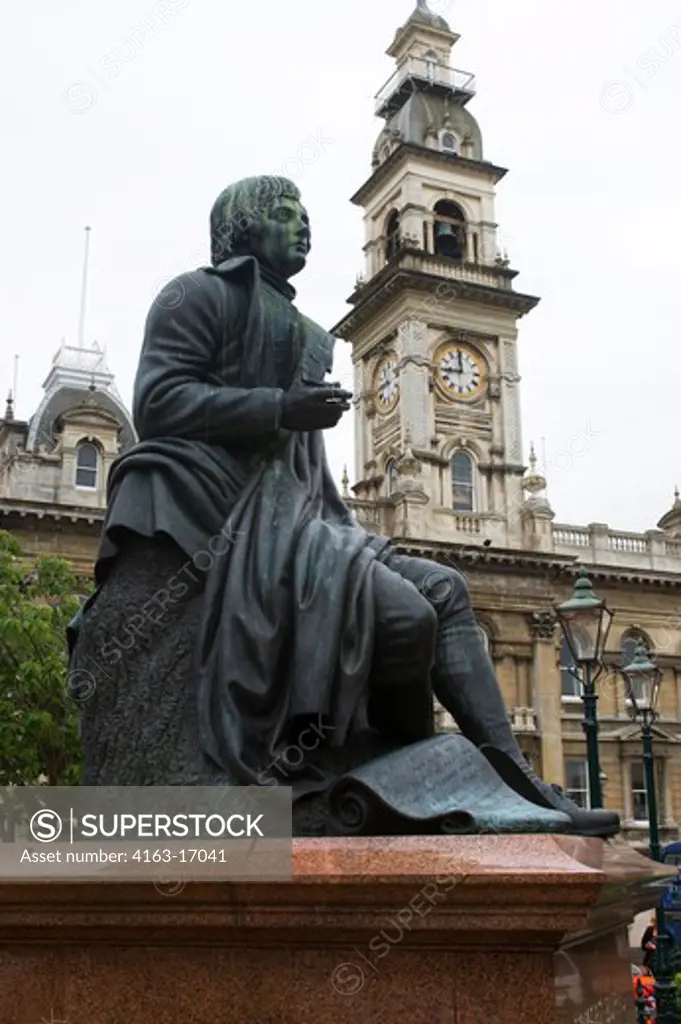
<point x="426" y="71"/>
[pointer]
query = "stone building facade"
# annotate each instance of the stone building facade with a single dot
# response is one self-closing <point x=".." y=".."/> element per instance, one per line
<point x="54" y="466"/>
<point x="439" y="459"/>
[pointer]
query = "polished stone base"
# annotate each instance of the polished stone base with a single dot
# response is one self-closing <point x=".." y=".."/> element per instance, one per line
<point x="421" y="930"/>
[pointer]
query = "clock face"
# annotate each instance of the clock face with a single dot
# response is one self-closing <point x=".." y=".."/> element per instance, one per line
<point x="387" y="388"/>
<point x="459" y="371"/>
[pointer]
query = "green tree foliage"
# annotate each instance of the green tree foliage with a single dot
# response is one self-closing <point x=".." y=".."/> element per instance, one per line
<point x="39" y="733"/>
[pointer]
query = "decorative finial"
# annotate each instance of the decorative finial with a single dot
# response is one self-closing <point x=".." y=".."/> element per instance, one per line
<point x="345" y="482"/>
<point x="534" y="482"/>
<point x="533" y="459"/>
<point x="677" y="496"/>
<point x="9" y="408"/>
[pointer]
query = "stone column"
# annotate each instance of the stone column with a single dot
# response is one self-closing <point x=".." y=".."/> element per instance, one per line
<point x="598" y="533"/>
<point x="361" y="424"/>
<point x="510" y="404"/>
<point x="546" y="691"/>
<point x="415" y="403"/>
<point x="657" y="540"/>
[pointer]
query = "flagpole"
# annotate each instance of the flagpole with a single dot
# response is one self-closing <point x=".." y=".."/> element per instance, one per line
<point x="83" y="291"/>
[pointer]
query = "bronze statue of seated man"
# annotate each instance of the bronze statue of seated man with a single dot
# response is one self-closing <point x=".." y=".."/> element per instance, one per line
<point x="239" y="606"/>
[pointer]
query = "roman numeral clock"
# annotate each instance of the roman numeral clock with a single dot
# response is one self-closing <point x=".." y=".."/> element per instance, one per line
<point x="387" y="388"/>
<point x="460" y="371"/>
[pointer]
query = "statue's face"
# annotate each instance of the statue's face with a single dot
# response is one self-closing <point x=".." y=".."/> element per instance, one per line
<point x="282" y="237"/>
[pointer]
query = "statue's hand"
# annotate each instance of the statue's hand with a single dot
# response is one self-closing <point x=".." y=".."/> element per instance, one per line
<point x="314" y="407"/>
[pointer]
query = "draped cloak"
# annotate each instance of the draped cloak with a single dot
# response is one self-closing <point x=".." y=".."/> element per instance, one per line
<point x="288" y="625"/>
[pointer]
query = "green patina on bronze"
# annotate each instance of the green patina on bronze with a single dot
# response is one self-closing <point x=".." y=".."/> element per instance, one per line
<point x="241" y="210"/>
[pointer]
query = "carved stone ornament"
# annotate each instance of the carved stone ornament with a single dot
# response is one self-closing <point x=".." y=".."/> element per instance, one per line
<point x="543" y="625"/>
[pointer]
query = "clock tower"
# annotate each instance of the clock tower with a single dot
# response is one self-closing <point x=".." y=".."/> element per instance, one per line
<point x="433" y="326"/>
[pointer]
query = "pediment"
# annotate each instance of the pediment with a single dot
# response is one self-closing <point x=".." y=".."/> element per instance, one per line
<point x="88" y="415"/>
<point x="632" y="732"/>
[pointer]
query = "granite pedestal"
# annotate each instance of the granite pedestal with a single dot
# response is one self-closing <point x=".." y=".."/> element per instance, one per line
<point x="418" y="930"/>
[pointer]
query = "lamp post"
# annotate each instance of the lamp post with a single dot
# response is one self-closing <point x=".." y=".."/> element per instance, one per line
<point x="643" y="678"/>
<point x="585" y="622"/>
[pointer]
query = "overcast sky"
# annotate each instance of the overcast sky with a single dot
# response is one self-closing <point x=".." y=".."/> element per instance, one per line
<point x="132" y="116"/>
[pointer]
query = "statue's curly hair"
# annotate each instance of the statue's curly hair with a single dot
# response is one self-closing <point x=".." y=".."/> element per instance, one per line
<point x="238" y="209"/>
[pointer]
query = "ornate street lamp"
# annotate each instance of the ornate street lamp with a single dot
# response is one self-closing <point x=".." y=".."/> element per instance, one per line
<point x="642" y="678"/>
<point x="585" y="621"/>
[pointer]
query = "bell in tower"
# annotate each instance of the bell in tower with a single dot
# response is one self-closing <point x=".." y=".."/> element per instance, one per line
<point x="449" y="231"/>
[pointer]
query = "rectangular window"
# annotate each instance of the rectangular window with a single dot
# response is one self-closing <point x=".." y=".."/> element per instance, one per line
<point x="570" y="686"/>
<point x="462" y="497"/>
<point x="639" y="795"/>
<point x="463" y="489"/>
<point x="87" y="461"/>
<point x="86" y="477"/>
<point x="577" y="781"/>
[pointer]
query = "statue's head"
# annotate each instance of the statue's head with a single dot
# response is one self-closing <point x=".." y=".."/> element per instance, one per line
<point x="265" y="218"/>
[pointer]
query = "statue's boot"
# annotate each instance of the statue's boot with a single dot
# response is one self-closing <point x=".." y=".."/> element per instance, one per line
<point x="465" y="684"/>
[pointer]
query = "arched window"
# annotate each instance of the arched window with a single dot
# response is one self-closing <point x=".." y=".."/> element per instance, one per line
<point x="450" y="230"/>
<point x="87" y="461"/>
<point x="631" y="638"/>
<point x="463" y="489"/>
<point x="431" y="65"/>
<point x="392" y="235"/>
<point x="449" y="142"/>
<point x="392" y="476"/>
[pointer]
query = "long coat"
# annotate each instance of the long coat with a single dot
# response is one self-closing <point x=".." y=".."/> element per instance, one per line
<point x="288" y="626"/>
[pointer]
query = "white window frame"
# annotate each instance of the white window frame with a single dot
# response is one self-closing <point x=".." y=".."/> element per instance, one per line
<point x="638" y="821"/>
<point x="568" y="698"/>
<point x="457" y="142"/>
<point x="474" y="483"/>
<point x="432" y="61"/>
<point x="96" y="469"/>
<point x="573" y="789"/>
<point x="392" y="476"/>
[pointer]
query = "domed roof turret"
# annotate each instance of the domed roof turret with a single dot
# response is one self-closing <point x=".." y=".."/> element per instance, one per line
<point x="671" y="520"/>
<point x="423" y="15"/>
<point x="78" y="374"/>
<point x="424" y="117"/>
